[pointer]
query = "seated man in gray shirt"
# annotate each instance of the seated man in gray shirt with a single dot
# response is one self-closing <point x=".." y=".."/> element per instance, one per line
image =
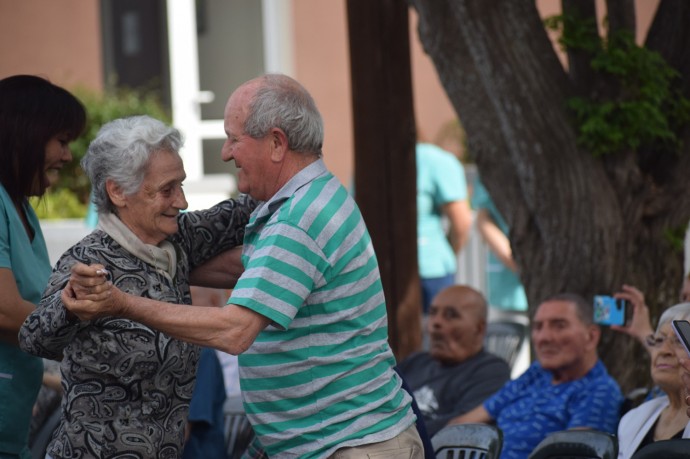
<point x="457" y="373"/>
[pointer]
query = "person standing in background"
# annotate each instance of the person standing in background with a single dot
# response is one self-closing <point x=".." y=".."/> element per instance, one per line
<point x="441" y="195"/>
<point x="38" y="120"/>
<point x="504" y="290"/>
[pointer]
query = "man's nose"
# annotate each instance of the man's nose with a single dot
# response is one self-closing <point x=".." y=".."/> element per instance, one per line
<point x="226" y="153"/>
<point x="543" y="334"/>
<point x="433" y="322"/>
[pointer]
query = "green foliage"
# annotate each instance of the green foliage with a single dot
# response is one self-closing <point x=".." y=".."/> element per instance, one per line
<point x="62" y="203"/>
<point x="675" y="237"/>
<point x="644" y="107"/>
<point x="100" y="108"/>
<point x="575" y="32"/>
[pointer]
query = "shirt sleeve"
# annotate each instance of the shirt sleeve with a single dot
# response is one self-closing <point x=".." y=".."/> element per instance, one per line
<point x="280" y="273"/>
<point x="49" y="328"/>
<point x="208" y="232"/>
<point x="450" y="182"/>
<point x="480" y="197"/>
<point x="509" y="392"/>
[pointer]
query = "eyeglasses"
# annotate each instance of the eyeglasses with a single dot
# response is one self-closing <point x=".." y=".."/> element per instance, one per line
<point x="659" y="340"/>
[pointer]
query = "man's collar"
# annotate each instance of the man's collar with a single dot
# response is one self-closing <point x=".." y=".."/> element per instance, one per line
<point x="303" y="177"/>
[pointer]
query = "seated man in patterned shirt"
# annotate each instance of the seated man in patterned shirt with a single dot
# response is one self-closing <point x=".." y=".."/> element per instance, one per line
<point x="567" y="388"/>
<point x="456" y="373"/>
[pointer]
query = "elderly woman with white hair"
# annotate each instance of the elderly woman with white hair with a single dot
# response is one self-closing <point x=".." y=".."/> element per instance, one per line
<point x="663" y="417"/>
<point x="127" y="387"/>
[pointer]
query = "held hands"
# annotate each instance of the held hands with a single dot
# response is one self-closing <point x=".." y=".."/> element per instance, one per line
<point x="640" y="325"/>
<point x="88" y="293"/>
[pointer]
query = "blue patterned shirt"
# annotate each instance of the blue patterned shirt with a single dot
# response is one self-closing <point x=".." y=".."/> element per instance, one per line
<point x="530" y="407"/>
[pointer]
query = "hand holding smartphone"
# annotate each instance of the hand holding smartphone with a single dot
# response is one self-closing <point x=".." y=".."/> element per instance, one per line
<point x="682" y="329"/>
<point x="610" y="311"/>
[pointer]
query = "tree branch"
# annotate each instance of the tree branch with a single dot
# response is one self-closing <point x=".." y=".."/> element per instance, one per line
<point x="621" y="15"/>
<point x="579" y="68"/>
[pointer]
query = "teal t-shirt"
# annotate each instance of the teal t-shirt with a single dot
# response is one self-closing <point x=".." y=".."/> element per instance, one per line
<point x="20" y="373"/>
<point x="504" y="289"/>
<point x="440" y="180"/>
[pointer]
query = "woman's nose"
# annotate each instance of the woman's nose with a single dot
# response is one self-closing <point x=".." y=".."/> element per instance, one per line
<point x="181" y="199"/>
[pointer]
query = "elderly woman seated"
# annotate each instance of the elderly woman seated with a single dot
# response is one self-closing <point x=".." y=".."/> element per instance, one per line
<point x="127" y="386"/>
<point x="663" y="417"/>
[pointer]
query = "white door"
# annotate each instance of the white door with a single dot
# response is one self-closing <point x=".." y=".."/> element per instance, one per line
<point x="215" y="45"/>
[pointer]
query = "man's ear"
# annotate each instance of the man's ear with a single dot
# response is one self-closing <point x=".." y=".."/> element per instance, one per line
<point x="481" y="327"/>
<point x="594" y="333"/>
<point x="279" y="144"/>
<point x="115" y="193"/>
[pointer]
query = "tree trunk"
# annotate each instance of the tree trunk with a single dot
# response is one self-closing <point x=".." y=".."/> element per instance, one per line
<point x="578" y="223"/>
<point x="385" y="168"/>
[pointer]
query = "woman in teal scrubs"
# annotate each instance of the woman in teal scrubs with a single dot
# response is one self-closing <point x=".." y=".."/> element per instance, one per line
<point x="38" y="120"/>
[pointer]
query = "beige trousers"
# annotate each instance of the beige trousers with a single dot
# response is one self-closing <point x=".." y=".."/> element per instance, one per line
<point x="407" y="445"/>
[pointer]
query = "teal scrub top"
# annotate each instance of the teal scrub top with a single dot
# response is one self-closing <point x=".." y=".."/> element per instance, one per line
<point x="20" y="374"/>
<point x="440" y="180"/>
<point x="504" y="290"/>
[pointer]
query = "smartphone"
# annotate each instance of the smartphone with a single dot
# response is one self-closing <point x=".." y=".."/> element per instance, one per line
<point x="682" y="329"/>
<point x="609" y="310"/>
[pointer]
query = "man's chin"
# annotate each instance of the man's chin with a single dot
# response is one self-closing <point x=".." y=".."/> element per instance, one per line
<point x="438" y="354"/>
<point x="547" y="363"/>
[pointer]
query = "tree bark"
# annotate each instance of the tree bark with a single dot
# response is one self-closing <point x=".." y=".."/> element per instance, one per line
<point x="578" y="223"/>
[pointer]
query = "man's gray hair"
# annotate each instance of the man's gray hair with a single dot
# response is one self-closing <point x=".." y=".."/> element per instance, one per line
<point x="583" y="308"/>
<point x="281" y="102"/>
<point x="121" y="152"/>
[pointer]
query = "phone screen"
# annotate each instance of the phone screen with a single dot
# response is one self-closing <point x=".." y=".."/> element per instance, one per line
<point x="682" y="329"/>
<point x="609" y="310"/>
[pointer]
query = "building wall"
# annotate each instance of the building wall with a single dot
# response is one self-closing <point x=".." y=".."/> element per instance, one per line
<point x="59" y="40"/>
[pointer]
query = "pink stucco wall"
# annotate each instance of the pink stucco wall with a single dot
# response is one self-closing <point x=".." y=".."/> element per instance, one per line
<point x="322" y="65"/>
<point x="59" y="40"/>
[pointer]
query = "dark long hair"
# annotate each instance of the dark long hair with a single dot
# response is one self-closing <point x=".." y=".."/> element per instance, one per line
<point x="32" y="111"/>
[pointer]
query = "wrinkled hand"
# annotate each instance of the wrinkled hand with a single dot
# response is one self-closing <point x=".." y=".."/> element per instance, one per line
<point x="89" y="282"/>
<point x="640" y="325"/>
<point x="88" y="293"/>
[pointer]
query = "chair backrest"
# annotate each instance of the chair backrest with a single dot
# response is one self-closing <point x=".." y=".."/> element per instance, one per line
<point x="238" y="431"/>
<point x="468" y="441"/>
<point x="676" y="448"/>
<point x="504" y="339"/>
<point x="577" y="444"/>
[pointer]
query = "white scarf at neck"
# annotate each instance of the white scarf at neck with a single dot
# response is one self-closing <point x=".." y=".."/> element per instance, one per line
<point x="161" y="256"/>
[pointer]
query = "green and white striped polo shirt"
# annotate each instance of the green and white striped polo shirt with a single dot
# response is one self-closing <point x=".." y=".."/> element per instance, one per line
<point x="321" y="377"/>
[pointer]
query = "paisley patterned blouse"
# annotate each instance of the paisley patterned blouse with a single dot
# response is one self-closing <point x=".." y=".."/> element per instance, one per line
<point x="126" y="386"/>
